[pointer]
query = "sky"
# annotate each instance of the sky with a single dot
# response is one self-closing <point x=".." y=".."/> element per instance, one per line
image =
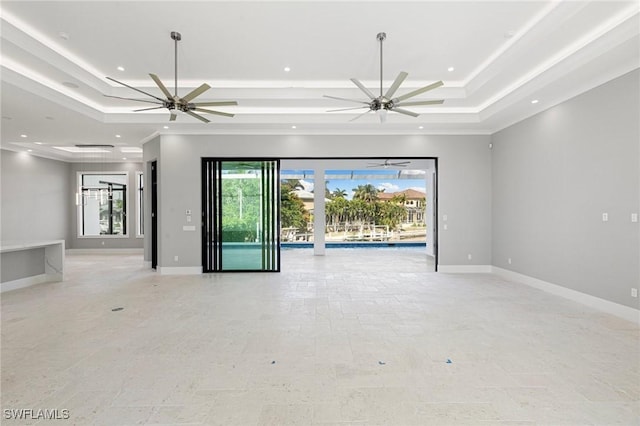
<point x="389" y="185"/>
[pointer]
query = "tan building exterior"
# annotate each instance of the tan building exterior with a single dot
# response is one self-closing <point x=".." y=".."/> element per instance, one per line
<point x="414" y="203"/>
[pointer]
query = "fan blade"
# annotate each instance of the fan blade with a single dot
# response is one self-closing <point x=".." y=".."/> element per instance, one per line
<point x="208" y="111"/>
<point x="131" y="99"/>
<point x="346" y="109"/>
<point x="398" y="81"/>
<point x="162" y="87"/>
<point x="147" y="109"/>
<point x="345" y="99"/>
<point x="405" y="112"/>
<point x="199" y="117"/>
<point x="400" y="163"/>
<point x="418" y="91"/>
<point x="173" y="115"/>
<point x="137" y="90"/>
<point x="436" y="102"/>
<point x="364" y="89"/>
<point x="196" y="92"/>
<point x="355" y="118"/>
<point x="220" y="103"/>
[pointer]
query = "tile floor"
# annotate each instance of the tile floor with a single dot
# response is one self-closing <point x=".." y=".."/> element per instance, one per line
<point x="359" y="337"/>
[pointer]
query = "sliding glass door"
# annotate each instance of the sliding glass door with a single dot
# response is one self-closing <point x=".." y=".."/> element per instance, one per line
<point x="240" y="200"/>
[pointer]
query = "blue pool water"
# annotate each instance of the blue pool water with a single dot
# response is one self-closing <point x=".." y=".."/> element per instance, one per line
<point x="371" y="245"/>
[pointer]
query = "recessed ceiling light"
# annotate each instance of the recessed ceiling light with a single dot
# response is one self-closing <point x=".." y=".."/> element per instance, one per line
<point x="535" y="101"/>
<point x="63" y="35"/>
<point x="23" y="136"/>
<point x="124" y="158"/>
<point x="509" y="34"/>
<point x="293" y="127"/>
<point x="117" y="136"/>
<point x="287" y="69"/>
<point x="165" y="127"/>
<point x="29" y="150"/>
<point x="70" y="84"/>
<point x="450" y="69"/>
<point x="120" y="68"/>
<point x="38" y="143"/>
<point x="420" y="127"/>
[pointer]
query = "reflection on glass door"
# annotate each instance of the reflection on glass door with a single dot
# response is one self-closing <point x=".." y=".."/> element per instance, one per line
<point x="240" y="200"/>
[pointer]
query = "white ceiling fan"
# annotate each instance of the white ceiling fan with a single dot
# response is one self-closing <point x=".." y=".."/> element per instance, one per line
<point x="174" y="102"/>
<point x="386" y="102"/>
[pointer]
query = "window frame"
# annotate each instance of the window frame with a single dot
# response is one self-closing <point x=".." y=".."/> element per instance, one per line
<point x="80" y="205"/>
<point x="139" y="204"/>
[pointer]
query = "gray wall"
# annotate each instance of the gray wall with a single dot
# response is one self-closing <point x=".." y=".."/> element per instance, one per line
<point x="554" y="175"/>
<point x="36" y="198"/>
<point x="464" y="166"/>
<point x="130" y="241"/>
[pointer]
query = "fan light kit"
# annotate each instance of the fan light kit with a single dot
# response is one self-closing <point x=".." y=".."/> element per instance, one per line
<point x="386" y="102"/>
<point x="174" y="102"/>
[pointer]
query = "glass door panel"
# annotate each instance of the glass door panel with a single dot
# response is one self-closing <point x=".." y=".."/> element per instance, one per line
<point x="240" y="208"/>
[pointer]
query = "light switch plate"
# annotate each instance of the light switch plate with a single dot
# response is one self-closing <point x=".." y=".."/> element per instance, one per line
<point x="605" y="217"/>
<point x="634" y="217"/>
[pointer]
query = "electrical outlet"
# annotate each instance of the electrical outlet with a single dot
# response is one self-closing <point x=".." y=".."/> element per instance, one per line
<point x="469" y="256"/>
<point x="445" y="227"/>
<point x="634" y="217"/>
<point x="509" y="261"/>
<point x="605" y="217"/>
<point x="634" y="292"/>
<point x="175" y="258"/>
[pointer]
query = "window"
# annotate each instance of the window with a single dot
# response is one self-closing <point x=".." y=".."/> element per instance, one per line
<point x="140" y="205"/>
<point x="102" y="204"/>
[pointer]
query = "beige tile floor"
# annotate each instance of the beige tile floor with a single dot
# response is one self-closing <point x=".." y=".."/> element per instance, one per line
<point x="355" y="337"/>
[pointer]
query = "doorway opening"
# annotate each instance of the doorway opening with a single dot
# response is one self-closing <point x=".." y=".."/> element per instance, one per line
<point x="366" y="203"/>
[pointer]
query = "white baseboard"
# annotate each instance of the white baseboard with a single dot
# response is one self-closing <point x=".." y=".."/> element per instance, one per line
<point x="464" y="269"/>
<point x="105" y="251"/>
<point x="177" y="270"/>
<point x="24" y="282"/>
<point x="625" y="312"/>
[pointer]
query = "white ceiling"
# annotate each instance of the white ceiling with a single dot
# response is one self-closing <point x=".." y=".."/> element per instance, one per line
<point x="505" y="54"/>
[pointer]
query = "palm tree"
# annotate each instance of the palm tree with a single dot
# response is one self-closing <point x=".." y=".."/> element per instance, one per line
<point x="339" y="193"/>
<point x="368" y="193"/>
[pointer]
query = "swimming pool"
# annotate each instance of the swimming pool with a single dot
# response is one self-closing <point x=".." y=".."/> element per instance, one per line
<point x="371" y="245"/>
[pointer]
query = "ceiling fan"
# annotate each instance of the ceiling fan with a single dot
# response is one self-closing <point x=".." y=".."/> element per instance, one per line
<point x="387" y="163"/>
<point x="174" y="102"/>
<point x="386" y="102"/>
